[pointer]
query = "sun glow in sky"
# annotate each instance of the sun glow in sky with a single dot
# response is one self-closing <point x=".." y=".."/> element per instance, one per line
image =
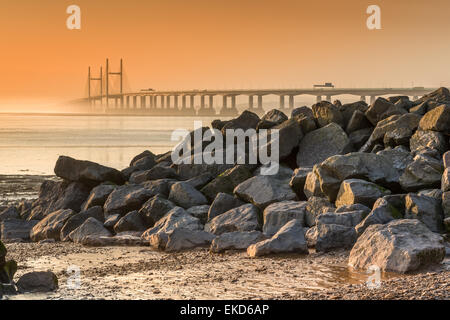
<point x="196" y="44"/>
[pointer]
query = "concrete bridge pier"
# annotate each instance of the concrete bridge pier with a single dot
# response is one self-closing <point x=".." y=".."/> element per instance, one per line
<point x="134" y="102"/>
<point x="250" y="102"/>
<point x="318" y="99"/>
<point x="207" y="109"/>
<point x="291" y="102"/>
<point x="228" y="111"/>
<point x="328" y="98"/>
<point x="143" y="104"/>
<point x="163" y="102"/>
<point x="127" y="102"/>
<point x="372" y="99"/>
<point x="281" y="102"/>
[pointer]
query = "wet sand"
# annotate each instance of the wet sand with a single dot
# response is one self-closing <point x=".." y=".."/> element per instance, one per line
<point x="141" y="273"/>
<point x="14" y="188"/>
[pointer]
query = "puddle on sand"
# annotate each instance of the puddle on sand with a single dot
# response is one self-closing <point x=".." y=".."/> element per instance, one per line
<point x="137" y="273"/>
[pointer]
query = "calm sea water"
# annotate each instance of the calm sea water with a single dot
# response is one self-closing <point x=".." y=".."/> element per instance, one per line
<point x="31" y="144"/>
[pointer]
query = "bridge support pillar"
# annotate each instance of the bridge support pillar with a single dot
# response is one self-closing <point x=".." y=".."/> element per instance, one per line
<point x="168" y="102"/>
<point x="175" y="102"/>
<point x="328" y="98"/>
<point x="233" y="102"/>
<point x="202" y="101"/>
<point x="163" y="102"/>
<point x="134" y="102"/>
<point x="127" y="99"/>
<point x="318" y="99"/>
<point x="192" y="104"/>
<point x="183" y="102"/>
<point x="155" y="102"/>
<point x="250" y="102"/>
<point x="291" y="102"/>
<point x="281" y="102"/>
<point x="372" y="99"/>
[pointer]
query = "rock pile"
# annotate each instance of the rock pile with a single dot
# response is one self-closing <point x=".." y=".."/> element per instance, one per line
<point x="374" y="179"/>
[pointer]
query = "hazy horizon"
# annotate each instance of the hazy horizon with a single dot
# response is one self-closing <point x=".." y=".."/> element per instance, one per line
<point x="219" y="44"/>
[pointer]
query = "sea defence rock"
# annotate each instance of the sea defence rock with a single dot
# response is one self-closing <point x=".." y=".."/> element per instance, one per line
<point x="34" y="282"/>
<point x="289" y="239"/>
<point x="426" y="209"/>
<point x="50" y="227"/>
<point x="98" y="196"/>
<point x="243" y="218"/>
<point x="91" y="227"/>
<point x="382" y="109"/>
<point x="16" y="230"/>
<point x="278" y="214"/>
<point x="326" y="113"/>
<point x="87" y="172"/>
<point x="399" y="246"/>
<point x="238" y="240"/>
<point x="437" y="119"/>
<point x="359" y="191"/>
<point x="320" y="144"/>
<point x="326" y="237"/>
<point x="186" y="196"/>
<point x="78" y="219"/>
<point x="126" y="198"/>
<point x="222" y="203"/>
<point x="132" y="221"/>
<point x="182" y="239"/>
<point x="155" y="208"/>
<point x="366" y="166"/>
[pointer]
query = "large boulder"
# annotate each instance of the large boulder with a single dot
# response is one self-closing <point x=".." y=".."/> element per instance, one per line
<point x="227" y="181"/>
<point x="247" y="120"/>
<point x="243" y="218"/>
<point x="32" y="282"/>
<point x="91" y="227"/>
<point x="298" y="180"/>
<point x="155" y="208"/>
<point x="141" y="164"/>
<point x="347" y="218"/>
<point x="321" y="144"/>
<point x="126" y="198"/>
<point x="174" y="219"/>
<point x="399" y="246"/>
<point x="132" y="221"/>
<point x="50" y="227"/>
<point x="156" y="173"/>
<point x="98" y="196"/>
<point x="78" y="219"/>
<point x="316" y="206"/>
<point x="437" y="119"/>
<point x="272" y="118"/>
<point x="312" y="186"/>
<point x="358" y="121"/>
<point x="399" y="156"/>
<point x="423" y="173"/>
<point x="238" y="240"/>
<point x="265" y="190"/>
<point x="327" y="237"/>
<point x="9" y="213"/>
<point x="384" y="210"/>
<point x="428" y="140"/>
<point x="87" y="172"/>
<point x="382" y="109"/>
<point x="359" y="191"/>
<point x="182" y="239"/>
<point x="186" y="196"/>
<point x="289" y="136"/>
<point x="426" y="209"/>
<point x="289" y="239"/>
<point x="222" y="203"/>
<point x="199" y="212"/>
<point x="366" y="166"/>
<point x="348" y="110"/>
<point x="278" y="214"/>
<point x="160" y="186"/>
<point x="12" y="230"/>
<point x="54" y="196"/>
<point x="326" y="113"/>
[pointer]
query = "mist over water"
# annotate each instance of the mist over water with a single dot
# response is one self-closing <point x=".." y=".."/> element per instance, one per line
<point x="31" y="144"/>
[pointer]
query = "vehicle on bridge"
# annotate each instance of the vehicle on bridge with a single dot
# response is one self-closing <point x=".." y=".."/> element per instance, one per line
<point x="326" y="85"/>
<point x="149" y="89"/>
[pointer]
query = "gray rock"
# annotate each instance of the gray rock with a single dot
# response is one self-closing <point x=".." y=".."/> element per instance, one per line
<point x="400" y="246"/>
<point x="192" y="170"/>
<point x="290" y="135"/>
<point x="98" y="196"/>
<point x="359" y="138"/>
<point x="264" y="190"/>
<point x="278" y="214"/>
<point x="155" y="208"/>
<point x="348" y="111"/>
<point x="111" y="221"/>
<point x="327" y="237"/>
<point x="87" y="172"/>
<point x="78" y="219"/>
<point x="222" y="203"/>
<point x="289" y="239"/>
<point x="359" y="191"/>
<point x="321" y="144"/>
<point x="200" y="212"/>
<point x="132" y="221"/>
<point x="91" y="227"/>
<point x="118" y="240"/>
<point x="446" y="204"/>
<point x="315" y="207"/>
<point x="423" y="173"/>
<point x="382" y="109"/>
<point x="433" y="193"/>
<point x="38" y="282"/>
<point x="141" y="164"/>
<point x="156" y="173"/>
<point x="437" y="119"/>
<point x="399" y="156"/>
<point x="312" y="186"/>
<point x="16" y="230"/>
<point x="306" y="111"/>
<point x="357" y="122"/>
<point x="428" y="140"/>
<point x="397" y="137"/>
<point x="348" y="219"/>
<point x="384" y="210"/>
<point x="201" y="180"/>
<point x="298" y="180"/>
<point x="186" y="196"/>
<point x="9" y="213"/>
<point x="243" y="218"/>
<point x="426" y="209"/>
<point x="307" y="124"/>
<point x="50" y="227"/>
<point x="446" y="159"/>
<point x="227" y="182"/>
<point x="366" y="166"/>
<point x="160" y="186"/>
<point x="182" y="239"/>
<point x="126" y="198"/>
<point x="353" y="207"/>
<point x="174" y="219"/>
<point x="326" y="113"/>
<point x="239" y="240"/>
<point x="247" y="120"/>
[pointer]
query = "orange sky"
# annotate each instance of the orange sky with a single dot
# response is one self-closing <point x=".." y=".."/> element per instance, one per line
<point x="195" y="44"/>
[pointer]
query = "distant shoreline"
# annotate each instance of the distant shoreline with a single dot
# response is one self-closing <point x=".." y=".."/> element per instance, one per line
<point x="100" y="114"/>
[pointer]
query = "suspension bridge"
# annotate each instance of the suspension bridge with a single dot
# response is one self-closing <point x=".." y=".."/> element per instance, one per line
<point x="107" y="93"/>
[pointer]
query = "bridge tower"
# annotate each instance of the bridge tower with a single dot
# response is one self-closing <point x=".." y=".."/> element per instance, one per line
<point x="90" y="78"/>
<point x="109" y="73"/>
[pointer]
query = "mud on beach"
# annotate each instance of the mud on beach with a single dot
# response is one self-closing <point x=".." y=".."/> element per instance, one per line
<point x="142" y="273"/>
